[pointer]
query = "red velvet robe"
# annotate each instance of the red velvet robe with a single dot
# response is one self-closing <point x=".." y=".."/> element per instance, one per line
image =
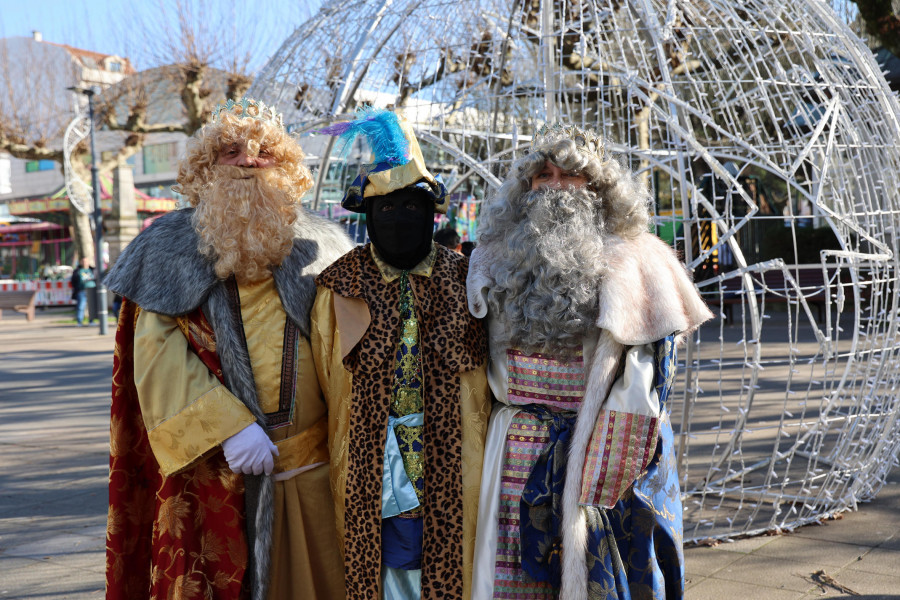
<point x="180" y="536"/>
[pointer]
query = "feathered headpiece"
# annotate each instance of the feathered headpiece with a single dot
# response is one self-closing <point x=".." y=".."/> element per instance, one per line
<point x="381" y="129"/>
<point x="397" y="159"/>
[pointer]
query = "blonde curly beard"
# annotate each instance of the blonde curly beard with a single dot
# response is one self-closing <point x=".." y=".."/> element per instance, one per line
<point x="245" y="221"/>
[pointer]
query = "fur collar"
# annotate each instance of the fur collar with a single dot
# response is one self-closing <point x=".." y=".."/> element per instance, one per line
<point x="162" y="271"/>
<point x="646" y="295"/>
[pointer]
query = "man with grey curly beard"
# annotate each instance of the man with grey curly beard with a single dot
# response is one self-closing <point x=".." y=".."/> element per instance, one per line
<point x="579" y="494"/>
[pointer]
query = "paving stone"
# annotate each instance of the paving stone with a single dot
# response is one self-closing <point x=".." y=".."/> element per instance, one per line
<point x="827" y="554"/>
<point x="772" y="572"/>
<point x="700" y="562"/>
<point x="747" y="545"/>
<point x="721" y="589"/>
<point x="870" y="586"/>
<point x="55" y="546"/>
<point x="36" y="543"/>
<point x="32" y="579"/>
<point x="92" y="524"/>
<point x="93" y="561"/>
<point x="72" y="586"/>
<point x="854" y="528"/>
<point x="891" y="544"/>
<point x="878" y="560"/>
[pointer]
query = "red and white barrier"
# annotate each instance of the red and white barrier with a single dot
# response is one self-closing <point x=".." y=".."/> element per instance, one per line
<point x="49" y="293"/>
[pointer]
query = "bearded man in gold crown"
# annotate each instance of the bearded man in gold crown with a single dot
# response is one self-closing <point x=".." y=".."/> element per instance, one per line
<point x="219" y="477"/>
<point x="579" y="493"/>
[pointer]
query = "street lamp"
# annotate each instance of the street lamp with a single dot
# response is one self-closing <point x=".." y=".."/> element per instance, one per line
<point x="98" y="216"/>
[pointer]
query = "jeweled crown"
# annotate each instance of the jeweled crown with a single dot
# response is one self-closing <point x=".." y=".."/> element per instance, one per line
<point x="585" y="140"/>
<point x="247" y="108"/>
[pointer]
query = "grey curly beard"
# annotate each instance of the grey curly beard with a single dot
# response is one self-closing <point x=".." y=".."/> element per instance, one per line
<point x="548" y="269"/>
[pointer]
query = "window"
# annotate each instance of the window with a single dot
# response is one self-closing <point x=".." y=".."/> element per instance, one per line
<point x="115" y="67"/>
<point x="32" y="166"/>
<point x="160" y="158"/>
<point x="157" y="192"/>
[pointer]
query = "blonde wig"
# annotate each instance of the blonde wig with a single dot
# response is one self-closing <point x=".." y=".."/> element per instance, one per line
<point x="195" y="171"/>
<point x="244" y="216"/>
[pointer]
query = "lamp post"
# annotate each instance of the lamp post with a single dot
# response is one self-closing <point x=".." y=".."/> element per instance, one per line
<point x="98" y="216"/>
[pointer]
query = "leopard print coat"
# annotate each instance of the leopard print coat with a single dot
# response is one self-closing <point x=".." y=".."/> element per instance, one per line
<point x="451" y="342"/>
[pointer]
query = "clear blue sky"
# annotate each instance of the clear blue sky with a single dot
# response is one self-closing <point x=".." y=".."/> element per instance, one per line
<point x="114" y="26"/>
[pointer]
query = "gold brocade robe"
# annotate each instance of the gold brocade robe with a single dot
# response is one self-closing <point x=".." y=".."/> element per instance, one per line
<point x="183" y="427"/>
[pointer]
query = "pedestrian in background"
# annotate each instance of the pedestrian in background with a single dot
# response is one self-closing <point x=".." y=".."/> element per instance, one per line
<point x="448" y="238"/>
<point x="83" y="279"/>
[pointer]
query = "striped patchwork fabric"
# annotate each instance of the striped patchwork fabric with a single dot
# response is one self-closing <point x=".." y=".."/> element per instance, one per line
<point x="540" y="379"/>
<point x="532" y="379"/>
<point x="621" y="447"/>
<point x="525" y="440"/>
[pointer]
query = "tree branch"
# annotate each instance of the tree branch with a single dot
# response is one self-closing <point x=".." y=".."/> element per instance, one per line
<point x="238" y="84"/>
<point x="19" y="149"/>
<point x="192" y="95"/>
<point x="132" y="146"/>
<point x="881" y="22"/>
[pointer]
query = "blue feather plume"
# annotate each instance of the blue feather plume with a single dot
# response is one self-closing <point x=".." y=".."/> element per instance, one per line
<point x="383" y="133"/>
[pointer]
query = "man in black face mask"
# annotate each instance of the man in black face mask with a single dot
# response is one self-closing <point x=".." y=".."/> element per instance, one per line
<point x="402" y="365"/>
<point x="400" y="225"/>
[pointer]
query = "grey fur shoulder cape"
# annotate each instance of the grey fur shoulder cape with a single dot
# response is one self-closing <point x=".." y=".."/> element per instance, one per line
<point x="162" y="271"/>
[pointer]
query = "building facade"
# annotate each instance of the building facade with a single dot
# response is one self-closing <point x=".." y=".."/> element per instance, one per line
<point x="40" y="75"/>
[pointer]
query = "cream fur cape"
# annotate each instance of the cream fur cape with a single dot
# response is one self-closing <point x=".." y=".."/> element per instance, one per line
<point x="646" y="295"/>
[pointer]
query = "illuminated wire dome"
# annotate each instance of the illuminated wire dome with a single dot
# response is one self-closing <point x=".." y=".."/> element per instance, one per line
<point x="769" y="139"/>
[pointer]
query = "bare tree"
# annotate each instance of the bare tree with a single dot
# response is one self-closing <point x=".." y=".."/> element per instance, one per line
<point x="208" y="54"/>
<point x="35" y="109"/>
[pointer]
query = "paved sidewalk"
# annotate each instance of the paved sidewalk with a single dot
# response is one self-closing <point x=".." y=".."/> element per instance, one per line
<point x="856" y="556"/>
<point x="54" y="410"/>
<point x="55" y="381"/>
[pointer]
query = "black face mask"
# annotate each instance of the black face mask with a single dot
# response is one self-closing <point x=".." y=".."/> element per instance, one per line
<point x="400" y="226"/>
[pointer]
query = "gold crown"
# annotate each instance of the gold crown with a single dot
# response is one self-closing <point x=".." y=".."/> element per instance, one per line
<point x="585" y="140"/>
<point x="247" y="108"/>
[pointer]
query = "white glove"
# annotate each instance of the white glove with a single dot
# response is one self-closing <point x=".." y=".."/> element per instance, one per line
<point x="250" y="451"/>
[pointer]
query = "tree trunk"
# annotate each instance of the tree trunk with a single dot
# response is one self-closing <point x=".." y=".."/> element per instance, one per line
<point x="82" y="235"/>
<point x="882" y="22"/>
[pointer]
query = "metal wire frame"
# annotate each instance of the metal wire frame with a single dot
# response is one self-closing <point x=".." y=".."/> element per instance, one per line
<point x="783" y="418"/>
